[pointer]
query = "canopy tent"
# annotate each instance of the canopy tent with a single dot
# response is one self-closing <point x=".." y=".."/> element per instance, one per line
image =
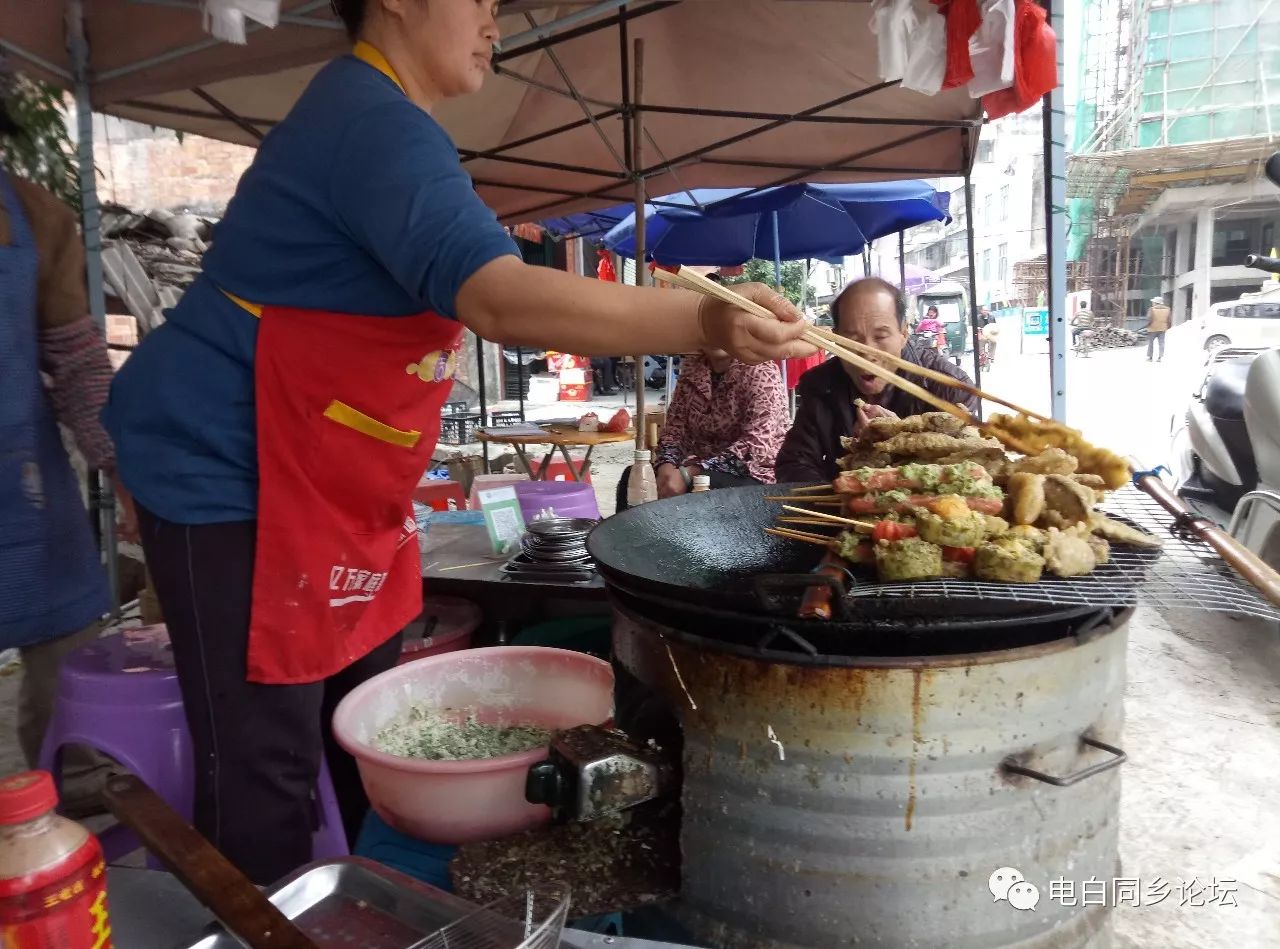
<point x="730" y="226"/>
<point x="594" y="103"/>
<point x="729" y="99"/>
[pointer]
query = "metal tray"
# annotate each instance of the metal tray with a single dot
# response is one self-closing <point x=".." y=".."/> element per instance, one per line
<point x="355" y="902"/>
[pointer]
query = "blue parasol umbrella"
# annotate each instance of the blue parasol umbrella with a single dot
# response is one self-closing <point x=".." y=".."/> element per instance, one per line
<point x="729" y="226"/>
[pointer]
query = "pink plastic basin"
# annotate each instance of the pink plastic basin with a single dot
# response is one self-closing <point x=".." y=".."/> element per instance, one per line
<point x="456" y="802"/>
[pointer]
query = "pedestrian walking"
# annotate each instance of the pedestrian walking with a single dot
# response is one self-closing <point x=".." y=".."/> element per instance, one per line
<point x="1157" y="326"/>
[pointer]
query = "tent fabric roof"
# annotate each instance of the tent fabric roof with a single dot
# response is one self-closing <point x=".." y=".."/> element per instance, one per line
<point x="737" y="93"/>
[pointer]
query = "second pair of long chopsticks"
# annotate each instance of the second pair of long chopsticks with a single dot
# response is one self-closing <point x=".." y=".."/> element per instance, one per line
<point x="849" y="350"/>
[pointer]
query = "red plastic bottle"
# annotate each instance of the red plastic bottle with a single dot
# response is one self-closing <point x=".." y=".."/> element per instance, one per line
<point x="53" y="881"/>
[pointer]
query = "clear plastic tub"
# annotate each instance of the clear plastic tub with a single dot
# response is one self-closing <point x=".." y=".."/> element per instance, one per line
<point x="455" y="802"/>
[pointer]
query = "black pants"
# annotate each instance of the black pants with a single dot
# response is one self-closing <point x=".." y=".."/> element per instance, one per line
<point x="257" y="747"/>
<point x="718" y="480"/>
<point x="602" y="374"/>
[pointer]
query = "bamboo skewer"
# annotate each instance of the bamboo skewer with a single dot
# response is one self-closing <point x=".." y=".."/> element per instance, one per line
<point x="861" y="527"/>
<point x="800" y="536"/>
<point x="812" y="488"/>
<point x="806" y="498"/>
<point x="810" y="521"/>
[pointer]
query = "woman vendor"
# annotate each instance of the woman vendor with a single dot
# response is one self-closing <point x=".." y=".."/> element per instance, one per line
<point x="273" y="429"/>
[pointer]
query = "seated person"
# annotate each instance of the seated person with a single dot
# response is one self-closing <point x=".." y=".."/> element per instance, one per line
<point x="871" y="311"/>
<point x="1081" y="323"/>
<point x="726" y="420"/>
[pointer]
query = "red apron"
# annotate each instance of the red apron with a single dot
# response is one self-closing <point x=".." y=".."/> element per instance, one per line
<point x="348" y="411"/>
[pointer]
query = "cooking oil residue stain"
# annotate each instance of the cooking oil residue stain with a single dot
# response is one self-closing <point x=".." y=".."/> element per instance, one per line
<point x="917" y="676"/>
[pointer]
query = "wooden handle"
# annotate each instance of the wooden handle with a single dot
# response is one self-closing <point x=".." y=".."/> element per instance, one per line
<point x="237" y="903"/>
<point x="816" y="603"/>
<point x="1243" y="560"/>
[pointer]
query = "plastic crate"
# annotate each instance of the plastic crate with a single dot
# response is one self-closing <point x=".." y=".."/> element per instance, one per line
<point x="454" y="408"/>
<point x="459" y="429"/>
<point x="501" y="419"/>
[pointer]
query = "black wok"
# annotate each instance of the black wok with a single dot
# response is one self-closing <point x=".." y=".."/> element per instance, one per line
<point x="710" y="551"/>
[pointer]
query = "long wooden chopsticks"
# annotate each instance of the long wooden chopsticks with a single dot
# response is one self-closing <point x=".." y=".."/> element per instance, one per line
<point x="850" y="351"/>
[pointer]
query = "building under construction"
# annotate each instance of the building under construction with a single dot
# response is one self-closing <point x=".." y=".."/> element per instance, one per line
<point x="1178" y="106"/>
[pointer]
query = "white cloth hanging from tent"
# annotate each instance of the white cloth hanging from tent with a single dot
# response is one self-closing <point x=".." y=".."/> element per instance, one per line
<point x="991" y="50"/>
<point x="911" y="38"/>
<point x="225" y="19"/>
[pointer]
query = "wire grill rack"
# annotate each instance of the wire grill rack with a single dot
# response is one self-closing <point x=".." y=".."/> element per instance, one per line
<point x="1187" y="574"/>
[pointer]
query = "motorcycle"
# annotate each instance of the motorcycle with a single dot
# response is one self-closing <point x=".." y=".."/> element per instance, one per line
<point x="1226" y="445"/>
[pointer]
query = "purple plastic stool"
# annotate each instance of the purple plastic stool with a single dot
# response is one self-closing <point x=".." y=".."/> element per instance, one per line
<point x="566" y="498"/>
<point x="120" y="696"/>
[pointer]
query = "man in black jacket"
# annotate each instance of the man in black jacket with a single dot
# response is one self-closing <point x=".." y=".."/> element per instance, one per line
<point x="874" y="312"/>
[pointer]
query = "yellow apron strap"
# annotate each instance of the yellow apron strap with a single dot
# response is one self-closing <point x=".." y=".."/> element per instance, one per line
<point x="370" y="54"/>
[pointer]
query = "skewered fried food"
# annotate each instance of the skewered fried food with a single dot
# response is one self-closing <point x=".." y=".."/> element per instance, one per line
<point x="1026" y="497"/>
<point x="991" y="457"/>
<point x="1120" y="533"/>
<point x="966" y="530"/>
<point x="908" y="559"/>
<point x="1008" y="563"/>
<point x="1068" y="553"/>
<point x="1026" y="535"/>
<point x="1050" y="461"/>
<point x="927" y="446"/>
<point x="900" y="502"/>
<point x="1066" y="502"/>
<point x="996" y="526"/>
<point x="1030" y="437"/>
<point x="965" y="478"/>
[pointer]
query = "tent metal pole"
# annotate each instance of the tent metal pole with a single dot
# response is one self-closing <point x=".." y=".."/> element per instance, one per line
<point x="588" y="29"/>
<point x="1055" y="234"/>
<point x="181" y="51"/>
<point x="565" y="22"/>
<point x="637" y="143"/>
<point x="704" y="113"/>
<point x="484" y="400"/>
<point x="540" y="136"/>
<point x="777" y="280"/>
<point x="550" y="165"/>
<point x="101" y="488"/>
<point x="973" y="279"/>
<point x="902" y="260"/>
<point x="13" y="49"/>
<point x="244" y="124"/>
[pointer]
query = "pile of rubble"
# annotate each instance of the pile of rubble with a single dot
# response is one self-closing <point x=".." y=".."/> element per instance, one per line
<point x="1114" y="337"/>
<point x="149" y="259"/>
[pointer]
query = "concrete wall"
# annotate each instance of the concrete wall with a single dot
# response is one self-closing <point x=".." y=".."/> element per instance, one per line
<point x="141" y="167"/>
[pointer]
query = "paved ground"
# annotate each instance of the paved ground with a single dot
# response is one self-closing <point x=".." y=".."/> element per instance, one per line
<point x="1201" y="797"/>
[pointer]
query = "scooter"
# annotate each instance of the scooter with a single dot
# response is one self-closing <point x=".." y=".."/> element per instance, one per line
<point x="1226" y="446"/>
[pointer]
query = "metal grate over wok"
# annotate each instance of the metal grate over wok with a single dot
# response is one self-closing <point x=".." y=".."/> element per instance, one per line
<point x="1186" y="574"/>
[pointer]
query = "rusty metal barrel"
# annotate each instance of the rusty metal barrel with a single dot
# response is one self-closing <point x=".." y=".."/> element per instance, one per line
<point x="870" y="802"/>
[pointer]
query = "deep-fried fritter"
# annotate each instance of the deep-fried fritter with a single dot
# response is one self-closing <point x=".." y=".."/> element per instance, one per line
<point x="991" y="457"/>
<point x="1069" y="501"/>
<point x="878" y="429"/>
<point x="946" y="423"/>
<point x="863" y="458"/>
<point x="1050" y="461"/>
<point x="928" y="446"/>
<point x="1091" y="481"/>
<point x="1030" y="437"/>
<point x="1008" y="563"/>
<point x="1101" y="549"/>
<point x="1068" y="554"/>
<point x="1120" y="533"/>
<point x="1026" y="497"/>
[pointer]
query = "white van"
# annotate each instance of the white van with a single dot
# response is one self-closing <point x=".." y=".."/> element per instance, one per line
<point x="1251" y="322"/>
